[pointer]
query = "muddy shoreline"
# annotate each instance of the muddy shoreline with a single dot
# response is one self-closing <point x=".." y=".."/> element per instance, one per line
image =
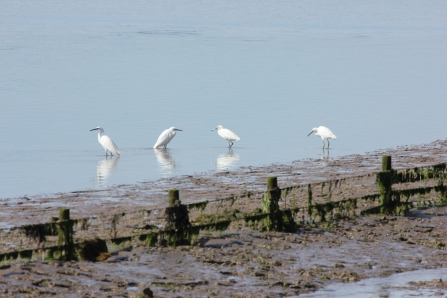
<point x="239" y="262"/>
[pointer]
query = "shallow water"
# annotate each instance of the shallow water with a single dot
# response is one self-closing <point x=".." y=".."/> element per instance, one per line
<point x="395" y="285"/>
<point x="373" y="72"/>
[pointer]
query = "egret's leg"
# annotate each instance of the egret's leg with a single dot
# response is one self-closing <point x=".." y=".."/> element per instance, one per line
<point x="230" y="143"/>
<point x="328" y="143"/>
<point x="165" y="146"/>
<point x="324" y="144"/>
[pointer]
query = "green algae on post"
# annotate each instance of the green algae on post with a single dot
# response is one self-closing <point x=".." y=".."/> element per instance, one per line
<point x="177" y="229"/>
<point x="276" y="220"/>
<point x="173" y="197"/>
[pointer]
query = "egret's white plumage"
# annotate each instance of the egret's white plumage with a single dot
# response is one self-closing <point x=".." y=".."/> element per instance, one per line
<point x="324" y="133"/>
<point x="227" y="135"/>
<point x="166" y="136"/>
<point x="106" y="142"/>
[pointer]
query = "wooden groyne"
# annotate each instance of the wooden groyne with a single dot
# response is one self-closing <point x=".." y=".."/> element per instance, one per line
<point x="286" y="208"/>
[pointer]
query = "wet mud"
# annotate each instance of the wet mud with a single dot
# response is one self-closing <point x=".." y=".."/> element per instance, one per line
<point x="238" y="262"/>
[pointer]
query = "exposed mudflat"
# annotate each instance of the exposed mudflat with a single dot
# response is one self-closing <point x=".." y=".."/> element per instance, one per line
<point x="240" y="262"/>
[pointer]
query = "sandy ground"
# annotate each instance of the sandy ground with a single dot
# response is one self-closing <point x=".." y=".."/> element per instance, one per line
<point x="239" y="262"/>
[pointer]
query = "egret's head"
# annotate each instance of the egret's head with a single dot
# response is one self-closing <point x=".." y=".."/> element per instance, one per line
<point x="218" y="127"/>
<point x="313" y="130"/>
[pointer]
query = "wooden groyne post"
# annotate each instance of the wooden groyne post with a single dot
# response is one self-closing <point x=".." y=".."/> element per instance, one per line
<point x="65" y="235"/>
<point x="389" y="203"/>
<point x="276" y="219"/>
<point x="177" y="229"/>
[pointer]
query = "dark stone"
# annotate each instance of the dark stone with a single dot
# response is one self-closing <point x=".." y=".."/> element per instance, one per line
<point x="90" y="250"/>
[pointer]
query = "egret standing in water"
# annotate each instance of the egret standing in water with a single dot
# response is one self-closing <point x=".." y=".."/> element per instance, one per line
<point x="166" y="136"/>
<point x="227" y="135"/>
<point x="106" y="142"/>
<point x="324" y="133"/>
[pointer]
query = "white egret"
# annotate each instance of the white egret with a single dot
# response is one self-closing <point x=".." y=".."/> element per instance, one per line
<point x="166" y="136"/>
<point x="227" y="135"/>
<point x="324" y="133"/>
<point x="106" y="142"/>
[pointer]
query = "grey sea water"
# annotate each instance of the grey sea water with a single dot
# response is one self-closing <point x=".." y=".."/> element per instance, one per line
<point x="374" y="72"/>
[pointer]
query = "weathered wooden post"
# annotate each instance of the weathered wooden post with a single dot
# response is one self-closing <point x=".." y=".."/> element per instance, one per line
<point x="386" y="163"/>
<point x="173" y="197"/>
<point x="52" y="229"/>
<point x="177" y="227"/>
<point x="276" y="220"/>
<point x="270" y="200"/>
<point x="65" y="234"/>
<point x="385" y="182"/>
<point x="309" y="200"/>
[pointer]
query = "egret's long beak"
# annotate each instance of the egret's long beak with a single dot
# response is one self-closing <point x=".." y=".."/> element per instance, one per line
<point x="178" y="129"/>
<point x="213" y="129"/>
<point x="93" y="129"/>
<point x="310" y="133"/>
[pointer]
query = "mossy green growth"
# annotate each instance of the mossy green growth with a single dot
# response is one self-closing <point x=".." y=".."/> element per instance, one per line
<point x="275" y="219"/>
<point x="173" y="238"/>
<point x="173" y="197"/>
<point x="26" y="254"/>
<point x="325" y="211"/>
<point x="151" y="239"/>
<point x="309" y="200"/>
<point x="51" y="227"/>
<point x="272" y="183"/>
<point x="36" y="232"/>
<point x="322" y="210"/>
<point x="440" y="245"/>
<point x="215" y="226"/>
<point x="385" y="181"/>
<point x="120" y="240"/>
<point x="53" y="253"/>
<point x="199" y="206"/>
<point x="9" y="256"/>
<point x="178" y="229"/>
<point x="386" y="163"/>
<point x="226" y="215"/>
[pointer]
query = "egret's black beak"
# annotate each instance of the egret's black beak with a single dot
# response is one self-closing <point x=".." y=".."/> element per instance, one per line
<point x="93" y="129"/>
<point x="310" y="133"/>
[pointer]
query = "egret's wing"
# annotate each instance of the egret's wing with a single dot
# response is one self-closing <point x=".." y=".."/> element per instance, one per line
<point x="228" y="135"/>
<point x="326" y="132"/>
<point x="165" y="137"/>
<point x="108" y="144"/>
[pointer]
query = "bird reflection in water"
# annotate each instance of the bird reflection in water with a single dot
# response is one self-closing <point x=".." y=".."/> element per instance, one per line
<point x="166" y="163"/>
<point x="325" y="154"/>
<point x="227" y="161"/>
<point x="104" y="169"/>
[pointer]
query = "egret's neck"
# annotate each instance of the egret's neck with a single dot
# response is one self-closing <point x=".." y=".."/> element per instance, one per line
<point x="100" y="133"/>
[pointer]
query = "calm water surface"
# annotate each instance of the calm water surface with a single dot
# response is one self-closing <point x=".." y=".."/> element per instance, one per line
<point x="393" y="286"/>
<point x="374" y="72"/>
